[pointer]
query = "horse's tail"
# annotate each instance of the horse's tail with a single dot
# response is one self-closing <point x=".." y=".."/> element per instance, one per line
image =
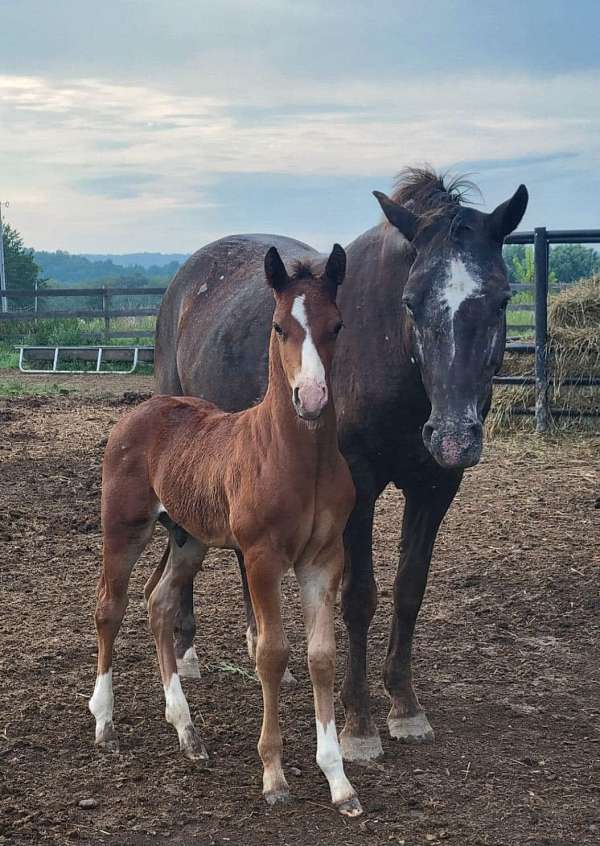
<point x="157" y="573"/>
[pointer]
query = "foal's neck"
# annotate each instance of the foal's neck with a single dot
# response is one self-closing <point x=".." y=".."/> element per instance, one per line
<point x="277" y="412"/>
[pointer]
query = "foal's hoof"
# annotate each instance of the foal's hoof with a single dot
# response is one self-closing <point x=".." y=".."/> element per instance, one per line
<point x="355" y="748"/>
<point x="274" y="797"/>
<point x="188" y="666"/>
<point x="192" y="747"/>
<point x="350" y="807"/>
<point x="415" y="729"/>
<point x="107" y="740"/>
<point x="288" y="679"/>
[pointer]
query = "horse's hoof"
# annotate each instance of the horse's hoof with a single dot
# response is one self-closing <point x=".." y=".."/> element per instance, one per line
<point x="273" y="797"/>
<point x="350" y="807"/>
<point x="192" y="747"/>
<point x="288" y="679"/>
<point x="188" y="666"/>
<point x="355" y="748"/>
<point x="108" y="740"/>
<point x="411" y="729"/>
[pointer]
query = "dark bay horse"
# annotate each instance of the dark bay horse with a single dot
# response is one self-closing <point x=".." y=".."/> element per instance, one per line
<point x="269" y="482"/>
<point x="425" y="298"/>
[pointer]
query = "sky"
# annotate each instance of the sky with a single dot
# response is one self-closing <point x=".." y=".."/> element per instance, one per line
<point x="161" y="125"/>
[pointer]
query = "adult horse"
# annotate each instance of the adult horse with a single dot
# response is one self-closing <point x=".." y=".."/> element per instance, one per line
<point x="426" y="291"/>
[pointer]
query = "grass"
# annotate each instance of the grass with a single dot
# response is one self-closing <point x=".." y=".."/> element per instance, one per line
<point x="16" y="388"/>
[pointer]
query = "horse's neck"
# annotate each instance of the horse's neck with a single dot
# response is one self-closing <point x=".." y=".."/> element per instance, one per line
<point x="277" y="418"/>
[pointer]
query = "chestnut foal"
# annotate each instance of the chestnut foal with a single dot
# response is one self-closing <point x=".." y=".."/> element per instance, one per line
<point x="268" y="482"/>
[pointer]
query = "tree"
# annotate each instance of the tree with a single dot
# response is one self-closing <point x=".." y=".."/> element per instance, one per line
<point x="570" y="262"/>
<point x="21" y="270"/>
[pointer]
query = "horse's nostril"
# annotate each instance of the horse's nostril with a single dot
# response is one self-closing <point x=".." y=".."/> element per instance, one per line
<point x="296" y="396"/>
<point x="427" y="433"/>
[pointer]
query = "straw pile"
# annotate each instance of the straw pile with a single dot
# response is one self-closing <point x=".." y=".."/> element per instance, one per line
<point x="574" y="351"/>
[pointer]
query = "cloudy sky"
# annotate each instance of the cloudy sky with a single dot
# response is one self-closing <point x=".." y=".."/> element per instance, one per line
<point x="155" y="125"/>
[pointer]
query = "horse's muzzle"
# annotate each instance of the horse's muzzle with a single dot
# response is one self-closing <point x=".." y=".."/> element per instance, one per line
<point x="310" y="398"/>
<point x="454" y="446"/>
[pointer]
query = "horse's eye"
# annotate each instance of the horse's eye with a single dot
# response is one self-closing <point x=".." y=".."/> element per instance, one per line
<point x="278" y="329"/>
<point x="338" y="328"/>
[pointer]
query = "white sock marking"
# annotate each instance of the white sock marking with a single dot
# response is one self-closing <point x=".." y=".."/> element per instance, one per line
<point x="177" y="711"/>
<point x="329" y="759"/>
<point x="102" y="702"/>
<point x="311" y="366"/>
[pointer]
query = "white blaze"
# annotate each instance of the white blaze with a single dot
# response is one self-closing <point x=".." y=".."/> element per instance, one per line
<point x="329" y="759"/>
<point x="311" y="366"/>
<point x="102" y="701"/>
<point x="460" y="285"/>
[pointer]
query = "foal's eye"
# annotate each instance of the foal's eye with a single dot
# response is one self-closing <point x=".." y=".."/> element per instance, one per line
<point x="278" y="329"/>
<point x="338" y="328"/>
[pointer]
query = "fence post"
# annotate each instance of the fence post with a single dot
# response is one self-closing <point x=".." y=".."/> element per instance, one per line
<point x="105" y="309"/>
<point x="35" y="302"/>
<point x="540" y="247"/>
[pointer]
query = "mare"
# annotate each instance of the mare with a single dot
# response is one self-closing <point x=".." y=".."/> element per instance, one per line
<point x="425" y="298"/>
<point x="268" y="482"/>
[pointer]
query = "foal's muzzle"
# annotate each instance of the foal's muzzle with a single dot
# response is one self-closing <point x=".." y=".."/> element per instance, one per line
<point x="455" y="445"/>
<point x="310" y="398"/>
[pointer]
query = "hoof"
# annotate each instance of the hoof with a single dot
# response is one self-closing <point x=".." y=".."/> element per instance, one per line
<point x="350" y="807"/>
<point x="288" y="679"/>
<point x="411" y="729"/>
<point x="192" y="747"/>
<point x="356" y="748"/>
<point x="107" y="740"/>
<point x="273" y="797"/>
<point x="188" y="666"/>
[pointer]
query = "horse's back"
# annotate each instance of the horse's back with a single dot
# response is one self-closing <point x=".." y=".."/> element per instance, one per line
<point x="214" y="321"/>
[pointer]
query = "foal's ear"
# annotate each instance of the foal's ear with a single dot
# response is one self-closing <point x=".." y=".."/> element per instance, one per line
<point x="404" y="220"/>
<point x="275" y="270"/>
<point x="335" y="269"/>
<point x="507" y="216"/>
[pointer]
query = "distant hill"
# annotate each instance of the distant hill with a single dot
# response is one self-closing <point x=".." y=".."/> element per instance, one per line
<point x="145" y="260"/>
<point x="64" y="268"/>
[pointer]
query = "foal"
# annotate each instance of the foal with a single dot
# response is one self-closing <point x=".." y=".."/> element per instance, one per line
<point x="268" y="482"/>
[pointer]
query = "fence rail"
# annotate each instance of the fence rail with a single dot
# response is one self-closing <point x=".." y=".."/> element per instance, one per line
<point x="541" y="238"/>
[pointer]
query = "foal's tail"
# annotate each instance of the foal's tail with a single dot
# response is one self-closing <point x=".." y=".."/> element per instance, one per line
<point x="157" y="573"/>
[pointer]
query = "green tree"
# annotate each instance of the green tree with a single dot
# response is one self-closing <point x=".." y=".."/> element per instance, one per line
<point x="21" y="269"/>
<point x="570" y="262"/>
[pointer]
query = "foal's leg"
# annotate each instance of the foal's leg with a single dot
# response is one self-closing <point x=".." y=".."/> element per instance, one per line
<point x="288" y="679"/>
<point x="318" y="586"/>
<point x="272" y="650"/>
<point x="424" y="510"/>
<point x="163" y="605"/>
<point x="359" y="738"/>
<point x="123" y="545"/>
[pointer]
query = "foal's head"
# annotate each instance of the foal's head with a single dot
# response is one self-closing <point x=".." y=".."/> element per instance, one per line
<point x="455" y="299"/>
<point x="306" y="323"/>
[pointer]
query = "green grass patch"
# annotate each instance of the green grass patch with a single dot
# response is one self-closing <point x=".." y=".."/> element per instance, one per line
<point x="17" y="388"/>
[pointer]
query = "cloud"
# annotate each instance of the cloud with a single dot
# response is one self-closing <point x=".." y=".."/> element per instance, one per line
<point x="145" y="152"/>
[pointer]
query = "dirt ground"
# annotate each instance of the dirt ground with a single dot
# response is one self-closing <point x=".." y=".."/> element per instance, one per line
<point x="506" y="663"/>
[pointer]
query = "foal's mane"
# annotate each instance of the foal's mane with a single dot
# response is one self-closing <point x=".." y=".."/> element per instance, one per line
<point x="432" y="195"/>
<point x="303" y="269"/>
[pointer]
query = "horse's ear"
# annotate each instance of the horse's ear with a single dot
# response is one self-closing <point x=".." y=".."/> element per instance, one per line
<point x="335" y="269"/>
<point x="275" y="270"/>
<point x="507" y="216"/>
<point x="404" y="220"/>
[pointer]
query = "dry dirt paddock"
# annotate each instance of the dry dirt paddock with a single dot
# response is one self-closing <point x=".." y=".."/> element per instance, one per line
<point x="506" y="659"/>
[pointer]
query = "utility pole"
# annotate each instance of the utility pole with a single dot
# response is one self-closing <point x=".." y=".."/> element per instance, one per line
<point x="2" y="269"/>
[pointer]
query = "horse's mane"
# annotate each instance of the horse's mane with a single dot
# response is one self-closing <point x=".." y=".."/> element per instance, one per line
<point x="303" y="269"/>
<point x="426" y="192"/>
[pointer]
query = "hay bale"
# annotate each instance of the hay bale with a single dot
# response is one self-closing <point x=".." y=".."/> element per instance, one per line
<point x="574" y="351"/>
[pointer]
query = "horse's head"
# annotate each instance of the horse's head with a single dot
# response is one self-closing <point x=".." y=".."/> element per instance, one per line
<point x="455" y="298"/>
<point x="306" y="323"/>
